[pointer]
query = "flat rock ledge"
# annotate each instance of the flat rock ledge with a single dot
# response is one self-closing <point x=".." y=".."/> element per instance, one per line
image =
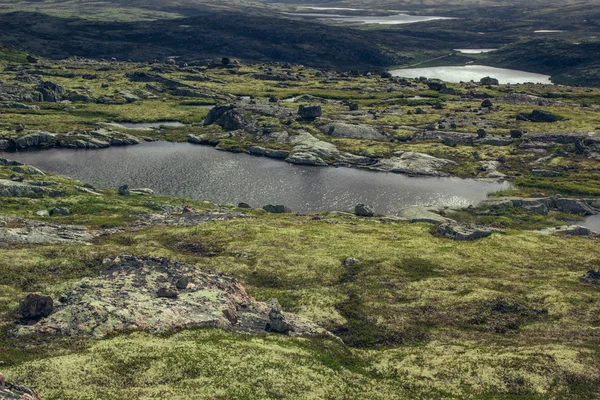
<point x="160" y="295"/>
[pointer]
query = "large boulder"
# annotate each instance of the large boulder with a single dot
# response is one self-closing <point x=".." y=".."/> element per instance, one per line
<point x="271" y="153"/>
<point x="36" y="306"/>
<point x="456" y="231"/>
<point x="229" y="118"/>
<point x="489" y="81"/>
<point x="538" y="116"/>
<point x="308" y="150"/>
<point x="97" y="307"/>
<point x="35" y="139"/>
<point x="363" y="210"/>
<point x="412" y="163"/>
<point x="51" y="91"/>
<point x="310" y="112"/>
<point x="10" y="188"/>
<point x="424" y="214"/>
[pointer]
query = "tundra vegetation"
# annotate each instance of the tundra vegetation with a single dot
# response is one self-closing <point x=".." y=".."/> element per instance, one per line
<point x="409" y="313"/>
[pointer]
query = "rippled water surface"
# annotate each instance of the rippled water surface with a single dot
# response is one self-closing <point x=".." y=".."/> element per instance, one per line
<point x="201" y="172"/>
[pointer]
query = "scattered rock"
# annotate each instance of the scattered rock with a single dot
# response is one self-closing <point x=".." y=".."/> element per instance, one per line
<point x="276" y="209"/>
<point x="516" y="133"/>
<point x="244" y="205"/>
<point x="456" y="231"/>
<point x="489" y="81"/>
<point x="36" y="306"/>
<point x="310" y="112"/>
<point x="538" y="116"/>
<point x="413" y="163"/>
<point x="59" y="211"/>
<point x="423" y="214"/>
<point x="277" y="322"/>
<point x="351" y="262"/>
<point x="124" y="190"/>
<point x="363" y="210"/>
<point x="168" y="293"/>
<point x="592" y="277"/>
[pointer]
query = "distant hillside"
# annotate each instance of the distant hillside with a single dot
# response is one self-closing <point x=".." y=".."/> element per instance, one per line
<point x="568" y="63"/>
<point x="212" y="34"/>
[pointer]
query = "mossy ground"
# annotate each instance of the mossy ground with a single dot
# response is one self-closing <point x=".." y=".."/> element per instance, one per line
<point x="420" y="317"/>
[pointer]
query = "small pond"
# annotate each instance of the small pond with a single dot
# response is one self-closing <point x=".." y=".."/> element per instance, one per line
<point x="204" y="173"/>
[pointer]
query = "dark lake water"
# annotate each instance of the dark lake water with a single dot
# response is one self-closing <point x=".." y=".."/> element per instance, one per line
<point x="203" y="173"/>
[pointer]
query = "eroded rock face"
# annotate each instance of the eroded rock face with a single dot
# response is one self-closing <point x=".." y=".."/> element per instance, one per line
<point x="139" y="293"/>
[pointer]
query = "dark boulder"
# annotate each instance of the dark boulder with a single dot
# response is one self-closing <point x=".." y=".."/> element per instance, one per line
<point x="277" y="322"/>
<point x="363" y="210"/>
<point x="489" y="81"/>
<point x="434" y="85"/>
<point x="487" y="103"/>
<point x="481" y="133"/>
<point x="516" y="133"/>
<point x="592" y="277"/>
<point x="59" y="211"/>
<point x="538" y="116"/>
<point x="228" y="118"/>
<point x="310" y="112"/>
<point x="386" y="75"/>
<point x="124" y="190"/>
<point x="167" y="293"/>
<point x="36" y="306"/>
<point x="244" y="205"/>
<point x="276" y="209"/>
<point x="51" y="91"/>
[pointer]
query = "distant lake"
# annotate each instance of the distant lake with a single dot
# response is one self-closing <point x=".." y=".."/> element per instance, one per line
<point x="395" y="19"/>
<point x="592" y="222"/>
<point x="204" y="173"/>
<point x="468" y="73"/>
<point x="146" y="125"/>
<point x="474" y="51"/>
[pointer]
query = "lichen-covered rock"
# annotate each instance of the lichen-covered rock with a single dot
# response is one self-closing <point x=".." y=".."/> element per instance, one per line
<point x="10" y="391"/>
<point x="10" y="188"/>
<point x="125" y="297"/>
<point x="26" y="231"/>
<point x="408" y="162"/>
<point x="456" y="231"/>
<point x="424" y="214"/>
<point x="35" y="139"/>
